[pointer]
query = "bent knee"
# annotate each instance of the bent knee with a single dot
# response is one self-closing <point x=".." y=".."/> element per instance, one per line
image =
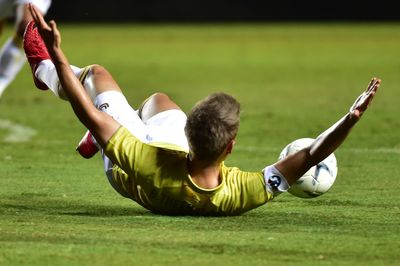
<point x="98" y="69"/>
<point x="156" y="103"/>
<point x="160" y="102"/>
<point x="101" y="79"/>
<point x="159" y="97"/>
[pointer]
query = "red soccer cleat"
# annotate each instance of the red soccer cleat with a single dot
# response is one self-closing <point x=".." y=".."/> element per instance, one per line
<point x="87" y="147"/>
<point x="35" y="51"/>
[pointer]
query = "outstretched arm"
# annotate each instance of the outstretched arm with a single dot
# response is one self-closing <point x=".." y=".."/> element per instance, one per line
<point x="100" y="124"/>
<point x="295" y="165"/>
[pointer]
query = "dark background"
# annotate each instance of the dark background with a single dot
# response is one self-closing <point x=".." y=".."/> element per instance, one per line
<point x="223" y="10"/>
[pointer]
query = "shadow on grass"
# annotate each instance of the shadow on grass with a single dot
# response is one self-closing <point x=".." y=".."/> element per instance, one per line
<point x="47" y="204"/>
<point x="279" y="214"/>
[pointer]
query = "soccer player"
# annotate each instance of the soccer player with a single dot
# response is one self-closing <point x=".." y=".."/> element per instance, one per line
<point x="156" y="156"/>
<point x="12" y="57"/>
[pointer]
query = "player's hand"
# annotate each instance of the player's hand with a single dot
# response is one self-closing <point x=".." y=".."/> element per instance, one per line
<point x="49" y="32"/>
<point x="362" y="102"/>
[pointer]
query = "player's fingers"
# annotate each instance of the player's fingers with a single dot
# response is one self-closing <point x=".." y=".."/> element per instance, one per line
<point x="375" y="86"/>
<point x="38" y="17"/>
<point x="363" y="101"/>
<point x="369" y="100"/>
<point x="370" y="84"/>
<point x="53" y="26"/>
<point x="56" y="33"/>
<point x="33" y="13"/>
<point x="378" y="83"/>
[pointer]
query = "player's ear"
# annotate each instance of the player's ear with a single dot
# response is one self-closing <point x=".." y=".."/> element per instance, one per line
<point x="229" y="148"/>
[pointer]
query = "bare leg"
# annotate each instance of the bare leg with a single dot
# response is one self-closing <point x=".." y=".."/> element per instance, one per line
<point x="94" y="78"/>
<point x="102" y="80"/>
<point x="155" y="104"/>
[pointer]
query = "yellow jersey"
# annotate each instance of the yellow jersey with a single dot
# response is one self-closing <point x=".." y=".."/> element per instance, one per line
<point x="156" y="176"/>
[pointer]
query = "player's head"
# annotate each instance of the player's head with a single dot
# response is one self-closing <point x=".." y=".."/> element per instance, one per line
<point x="212" y="126"/>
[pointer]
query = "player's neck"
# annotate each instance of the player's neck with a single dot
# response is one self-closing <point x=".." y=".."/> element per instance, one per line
<point x="205" y="175"/>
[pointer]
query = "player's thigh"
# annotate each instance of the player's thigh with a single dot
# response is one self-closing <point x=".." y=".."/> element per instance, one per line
<point x="115" y="104"/>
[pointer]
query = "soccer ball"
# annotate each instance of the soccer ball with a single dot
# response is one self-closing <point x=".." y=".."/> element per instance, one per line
<point x="316" y="181"/>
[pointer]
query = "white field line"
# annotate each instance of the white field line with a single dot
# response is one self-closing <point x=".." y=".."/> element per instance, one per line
<point x="16" y="132"/>
<point x="347" y="150"/>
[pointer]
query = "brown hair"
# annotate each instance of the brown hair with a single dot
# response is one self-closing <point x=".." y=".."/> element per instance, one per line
<point x="211" y="125"/>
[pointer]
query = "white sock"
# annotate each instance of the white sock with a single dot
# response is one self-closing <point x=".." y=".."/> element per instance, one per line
<point x="46" y="72"/>
<point x="12" y="60"/>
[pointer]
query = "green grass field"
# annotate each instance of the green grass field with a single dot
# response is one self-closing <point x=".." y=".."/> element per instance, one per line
<point x="293" y="80"/>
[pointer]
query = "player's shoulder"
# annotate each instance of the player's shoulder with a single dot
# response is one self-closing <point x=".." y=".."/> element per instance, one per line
<point x="236" y="172"/>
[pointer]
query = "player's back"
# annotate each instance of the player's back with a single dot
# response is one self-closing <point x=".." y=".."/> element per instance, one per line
<point x="158" y="179"/>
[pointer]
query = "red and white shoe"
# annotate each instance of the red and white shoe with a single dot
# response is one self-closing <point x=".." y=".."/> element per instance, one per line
<point x="35" y="51"/>
<point x="87" y="147"/>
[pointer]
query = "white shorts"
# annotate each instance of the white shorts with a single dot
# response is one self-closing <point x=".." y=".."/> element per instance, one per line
<point x="164" y="127"/>
<point x="8" y="7"/>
